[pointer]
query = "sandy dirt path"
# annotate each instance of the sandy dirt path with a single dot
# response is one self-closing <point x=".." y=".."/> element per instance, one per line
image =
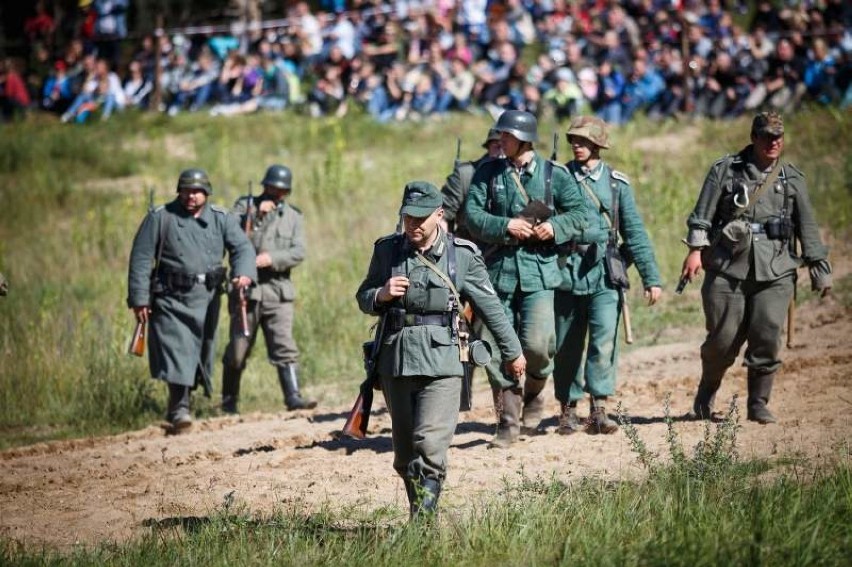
<point x="87" y="491"/>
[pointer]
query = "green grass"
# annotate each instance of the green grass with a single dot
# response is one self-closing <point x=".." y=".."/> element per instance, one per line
<point x="72" y="197"/>
<point x="750" y="515"/>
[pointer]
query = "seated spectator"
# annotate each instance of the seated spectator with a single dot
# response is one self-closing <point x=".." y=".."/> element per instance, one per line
<point x="821" y="74"/>
<point x="328" y="93"/>
<point x="241" y="83"/>
<point x="456" y="87"/>
<point x="492" y="74"/>
<point x="722" y="95"/>
<point x="387" y="97"/>
<point x="783" y="86"/>
<point x="14" y="98"/>
<point x="608" y="104"/>
<point x="102" y="92"/>
<point x="58" y="93"/>
<point x="565" y="99"/>
<point x="196" y="86"/>
<point x="137" y="87"/>
<point x="643" y="88"/>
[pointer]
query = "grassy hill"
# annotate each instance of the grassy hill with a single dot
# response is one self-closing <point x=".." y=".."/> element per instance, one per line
<point x="72" y="197"/>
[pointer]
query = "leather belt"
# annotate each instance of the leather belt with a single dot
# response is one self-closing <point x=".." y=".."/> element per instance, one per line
<point x="414" y="320"/>
<point x="758" y="228"/>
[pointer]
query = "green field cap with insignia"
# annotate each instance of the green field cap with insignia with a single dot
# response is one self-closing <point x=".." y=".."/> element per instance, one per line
<point x="767" y="124"/>
<point x="421" y="199"/>
<point x="591" y="128"/>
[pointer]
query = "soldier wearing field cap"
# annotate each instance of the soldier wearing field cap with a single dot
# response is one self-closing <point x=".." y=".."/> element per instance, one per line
<point x="278" y="236"/>
<point x="520" y="250"/>
<point x="416" y="283"/>
<point x="752" y="227"/>
<point x="588" y="303"/>
<point x="175" y="282"/>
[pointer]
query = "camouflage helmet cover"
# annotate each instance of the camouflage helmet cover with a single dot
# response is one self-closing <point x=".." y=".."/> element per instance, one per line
<point x="522" y="125"/>
<point x="591" y="128"/>
<point x="767" y="123"/>
<point x="194" y="178"/>
<point x="278" y="176"/>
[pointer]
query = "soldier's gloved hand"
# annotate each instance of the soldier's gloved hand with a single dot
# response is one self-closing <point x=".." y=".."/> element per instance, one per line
<point x="141" y="313"/>
<point x="395" y="287"/>
<point x="652" y="294"/>
<point x="520" y="229"/>
<point x="544" y="231"/>
<point x="241" y="282"/>
<point x="264" y="260"/>
<point x="691" y="264"/>
<point x="517" y="367"/>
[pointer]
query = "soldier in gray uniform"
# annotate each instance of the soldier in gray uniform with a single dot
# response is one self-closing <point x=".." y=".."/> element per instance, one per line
<point x="278" y="236"/>
<point x="175" y="281"/>
<point x="752" y="210"/>
<point x="588" y="304"/>
<point x="416" y="282"/>
<point x="458" y="183"/>
<point x="521" y="256"/>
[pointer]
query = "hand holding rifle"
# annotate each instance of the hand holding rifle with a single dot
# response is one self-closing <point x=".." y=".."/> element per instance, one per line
<point x="243" y="282"/>
<point x="141" y="312"/>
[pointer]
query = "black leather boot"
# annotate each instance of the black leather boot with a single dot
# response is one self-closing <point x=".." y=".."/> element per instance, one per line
<point x="230" y="389"/>
<point x="702" y="405"/>
<point x="178" y="414"/>
<point x="288" y="377"/>
<point x="533" y="405"/>
<point x="759" y="390"/>
<point x="508" y="405"/>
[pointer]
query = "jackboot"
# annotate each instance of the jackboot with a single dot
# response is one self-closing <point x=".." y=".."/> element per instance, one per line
<point x="759" y="389"/>
<point x="178" y="414"/>
<point x="230" y="389"/>
<point x="702" y="406"/>
<point x="599" y="421"/>
<point x="423" y="497"/>
<point x="533" y="405"/>
<point x="509" y="413"/>
<point x="568" y="421"/>
<point x="288" y="376"/>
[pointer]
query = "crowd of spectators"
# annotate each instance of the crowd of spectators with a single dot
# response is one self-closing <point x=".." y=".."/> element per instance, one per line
<point x="419" y="59"/>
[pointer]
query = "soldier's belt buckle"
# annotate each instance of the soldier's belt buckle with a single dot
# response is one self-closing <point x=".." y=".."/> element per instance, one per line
<point x="200" y="278"/>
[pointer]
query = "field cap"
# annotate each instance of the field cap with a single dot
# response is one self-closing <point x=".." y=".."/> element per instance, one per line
<point x="421" y="199"/>
<point x="591" y="128"/>
<point x="767" y="123"/>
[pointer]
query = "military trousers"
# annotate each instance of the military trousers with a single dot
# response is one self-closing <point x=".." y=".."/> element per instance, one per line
<point x="275" y="318"/>
<point x="531" y="313"/>
<point x="424" y="412"/>
<point x="744" y="311"/>
<point x="580" y="317"/>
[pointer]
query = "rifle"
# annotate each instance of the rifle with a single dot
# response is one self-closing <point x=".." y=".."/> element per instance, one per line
<point x="244" y="324"/>
<point x="681" y="285"/>
<point x="137" y="341"/>
<point x="359" y="416"/>
<point x="458" y="151"/>
<point x="625" y="313"/>
<point x="553" y="155"/>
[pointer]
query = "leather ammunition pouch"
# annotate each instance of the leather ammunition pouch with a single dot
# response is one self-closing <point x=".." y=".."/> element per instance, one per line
<point x="616" y="267"/>
<point x="776" y="228"/>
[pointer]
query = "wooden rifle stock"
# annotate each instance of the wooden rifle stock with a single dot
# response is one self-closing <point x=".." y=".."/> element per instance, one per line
<point x="359" y="417"/>
<point x="137" y="342"/>
<point x="625" y="313"/>
<point x="244" y="324"/>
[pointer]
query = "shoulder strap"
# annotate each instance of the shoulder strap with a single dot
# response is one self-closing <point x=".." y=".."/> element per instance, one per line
<point x="444" y="277"/>
<point x="768" y="182"/>
<point x="616" y="193"/>
<point x="548" y="183"/>
<point x="165" y="224"/>
<point x="597" y="201"/>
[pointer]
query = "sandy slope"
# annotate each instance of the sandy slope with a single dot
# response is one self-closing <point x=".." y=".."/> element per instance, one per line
<point x="114" y="488"/>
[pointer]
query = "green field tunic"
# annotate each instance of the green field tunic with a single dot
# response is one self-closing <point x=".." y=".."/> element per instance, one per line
<point x="183" y="322"/>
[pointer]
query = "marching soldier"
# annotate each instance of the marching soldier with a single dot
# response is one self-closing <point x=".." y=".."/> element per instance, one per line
<point x="278" y="236"/>
<point x="416" y="281"/>
<point x="521" y="257"/>
<point x="752" y="209"/>
<point x="184" y="242"/>
<point x="588" y="304"/>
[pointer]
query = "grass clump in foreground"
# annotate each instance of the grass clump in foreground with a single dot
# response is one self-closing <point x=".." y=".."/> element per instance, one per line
<point x="700" y="508"/>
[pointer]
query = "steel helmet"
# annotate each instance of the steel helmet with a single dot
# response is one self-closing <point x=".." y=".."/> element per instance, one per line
<point x="591" y="128"/>
<point x="194" y="179"/>
<point x="522" y="125"/>
<point x="278" y="176"/>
